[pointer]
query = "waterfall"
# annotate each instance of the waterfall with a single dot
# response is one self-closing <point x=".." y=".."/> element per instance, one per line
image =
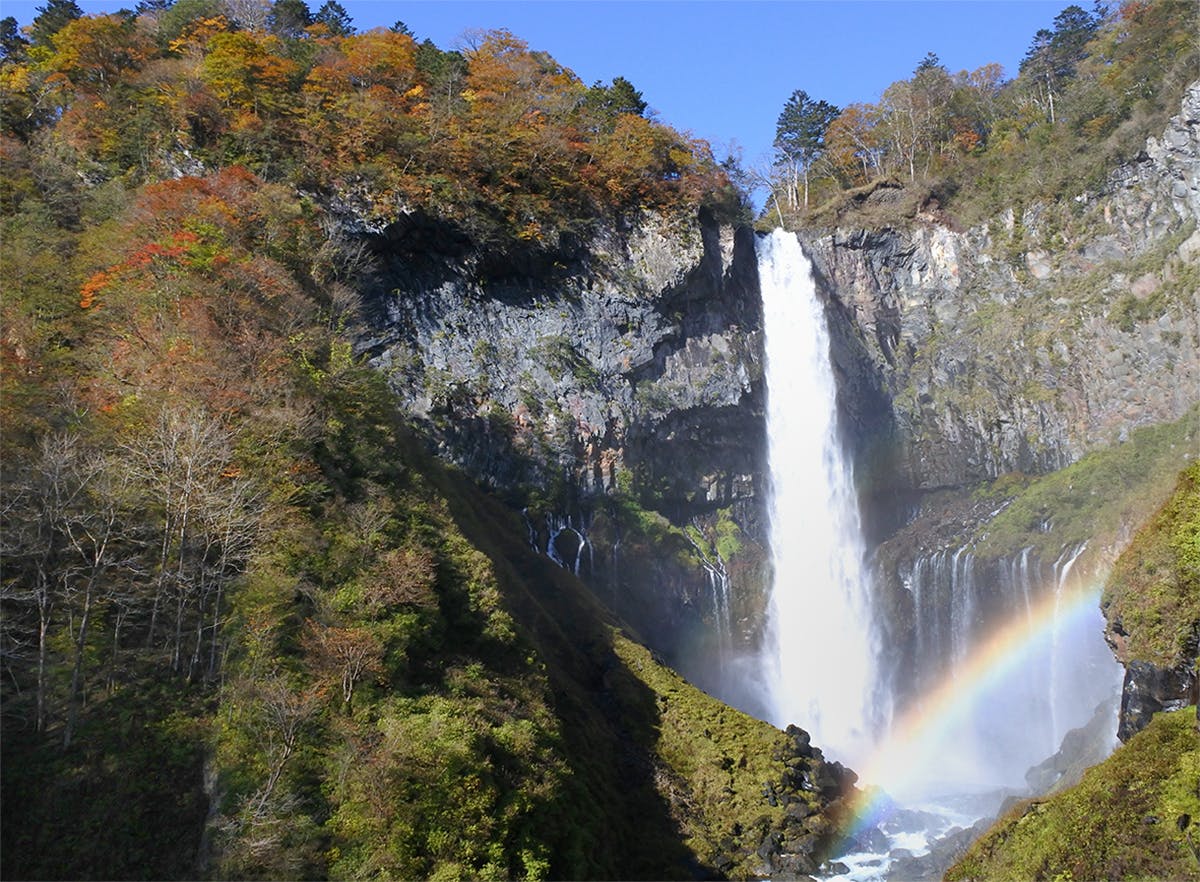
<point x="820" y="655"/>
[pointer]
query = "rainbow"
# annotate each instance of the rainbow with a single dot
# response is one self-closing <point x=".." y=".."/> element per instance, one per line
<point x="903" y="756"/>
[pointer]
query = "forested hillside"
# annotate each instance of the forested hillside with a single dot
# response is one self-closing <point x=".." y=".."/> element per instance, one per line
<point x="964" y="146"/>
<point x="251" y="629"/>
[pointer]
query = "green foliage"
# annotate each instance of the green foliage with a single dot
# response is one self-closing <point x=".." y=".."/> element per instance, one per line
<point x="969" y="145"/>
<point x="1094" y="497"/>
<point x="1154" y="589"/>
<point x="106" y="811"/>
<point x="1131" y="817"/>
<point x="51" y="19"/>
<point x="720" y="755"/>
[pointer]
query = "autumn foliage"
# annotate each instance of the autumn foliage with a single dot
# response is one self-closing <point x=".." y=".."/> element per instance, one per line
<point x="498" y="137"/>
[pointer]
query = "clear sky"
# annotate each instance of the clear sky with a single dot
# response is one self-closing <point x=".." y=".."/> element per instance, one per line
<point x="723" y="70"/>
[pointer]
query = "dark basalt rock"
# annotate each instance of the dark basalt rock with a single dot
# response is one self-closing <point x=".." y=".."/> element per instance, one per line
<point x="1149" y="689"/>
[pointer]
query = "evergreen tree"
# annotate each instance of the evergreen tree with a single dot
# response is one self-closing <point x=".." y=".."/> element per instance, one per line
<point x="1073" y="30"/>
<point x="289" y="18"/>
<point x="335" y="17"/>
<point x="12" y="44"/>
<point x="605" y="103"/>
<point x="1054" y="55"/>
<point x="800" y="139"/>
<point x="52" y="18"/>
<point x="929" y="62"/>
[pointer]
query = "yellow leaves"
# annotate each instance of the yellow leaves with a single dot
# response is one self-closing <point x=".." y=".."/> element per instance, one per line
<point x="246" y="70"/>
<point x="197" y="34"/>
<point x="93" y="51"/>
<point x="14" y="77"/>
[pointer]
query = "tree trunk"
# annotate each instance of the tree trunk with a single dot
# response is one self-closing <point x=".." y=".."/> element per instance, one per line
<point x="77" y="671"/>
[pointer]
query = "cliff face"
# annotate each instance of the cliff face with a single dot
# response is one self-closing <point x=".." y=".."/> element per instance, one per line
<point x="1020" y="344"/>
<point x="613" y="387"/>
<point x="600" y="386"/>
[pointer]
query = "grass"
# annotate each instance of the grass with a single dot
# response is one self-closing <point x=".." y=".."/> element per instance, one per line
<point x="718" y="757"/>
<point x="1092" y="499"/>
<point x="1154" y="590"/>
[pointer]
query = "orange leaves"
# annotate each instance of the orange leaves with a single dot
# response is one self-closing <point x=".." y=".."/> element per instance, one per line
<point x="345" y="654"/>
<point x="93" y="286"/>
<point x="197" y="34"/>
<point x="162" y="255"/>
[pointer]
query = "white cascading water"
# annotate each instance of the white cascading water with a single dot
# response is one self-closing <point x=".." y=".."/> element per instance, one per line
<point x="819" y="653"/>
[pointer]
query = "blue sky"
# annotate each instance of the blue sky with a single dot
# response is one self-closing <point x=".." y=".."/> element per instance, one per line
<point x="723" y="70"/>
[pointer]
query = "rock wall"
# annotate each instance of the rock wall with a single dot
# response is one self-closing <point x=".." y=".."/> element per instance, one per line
<point x="1020" y="344"/>
<point x="599" y="384"/>
<point x="1015" y="346"/>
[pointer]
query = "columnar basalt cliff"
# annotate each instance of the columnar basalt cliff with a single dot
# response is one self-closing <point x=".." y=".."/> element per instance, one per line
<point x="1017" y="347"/>
<point x="610" y="387"/>
<point x="1020" y="344"/>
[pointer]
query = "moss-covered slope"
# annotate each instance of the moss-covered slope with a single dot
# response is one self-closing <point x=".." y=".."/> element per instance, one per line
<point x="1132" y="817"/>
<point x="1152" y="599"/>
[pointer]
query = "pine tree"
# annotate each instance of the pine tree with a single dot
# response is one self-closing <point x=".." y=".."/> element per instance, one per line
<point x="289" y="18"/>
<point x="52" y="18"/>
<point x="335" y="17"/>
<point x="800" y="139"/>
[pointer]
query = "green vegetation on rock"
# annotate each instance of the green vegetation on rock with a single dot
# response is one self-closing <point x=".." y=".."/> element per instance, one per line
<point x="1154" y="589"/>
<point x="1134" y="816"/>
<point x="1093" y="498"/>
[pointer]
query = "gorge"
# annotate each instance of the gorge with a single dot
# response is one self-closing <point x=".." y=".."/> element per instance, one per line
<point x="984" y="597"/>
<point x="418" y="463"/>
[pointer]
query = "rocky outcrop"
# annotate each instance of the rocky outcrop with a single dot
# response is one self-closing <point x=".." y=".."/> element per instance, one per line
<point x="1150" y="689"/>
<point x="795" y="844"/>
<point x="1019" y="344"/>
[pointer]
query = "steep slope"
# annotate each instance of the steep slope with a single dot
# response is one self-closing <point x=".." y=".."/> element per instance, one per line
<point x="1152" y="604"/>
<point x="1131" y="817"/>
<point x="1012" y="349"/>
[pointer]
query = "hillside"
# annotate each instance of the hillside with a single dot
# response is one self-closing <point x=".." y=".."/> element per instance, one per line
<point x="251" y="628"/>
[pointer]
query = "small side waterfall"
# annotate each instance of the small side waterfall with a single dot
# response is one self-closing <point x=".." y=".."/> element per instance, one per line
<point x="1056" y="680"/>
<point x="820" y="654"/>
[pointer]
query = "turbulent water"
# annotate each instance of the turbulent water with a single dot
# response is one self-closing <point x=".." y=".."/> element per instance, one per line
<point x="820" y="655"/>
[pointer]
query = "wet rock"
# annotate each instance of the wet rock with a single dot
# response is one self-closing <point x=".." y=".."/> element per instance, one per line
<point x="872" y="840"/>
<point x="1149" y="689"/>
<point x="1081" y="748"/>
<point x="943" y="852"/>
<point x="910" y="821"/>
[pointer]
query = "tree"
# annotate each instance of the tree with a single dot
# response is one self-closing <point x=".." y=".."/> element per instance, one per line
<point x="852" y="143"/>
<point x="343" y="655"/>
<point x="289" y="18"/>
<point x="1054" y="55"/>
<point x="335" y="17"/>
<point x="93" y="52"/>
<point x="929" y="62"/>
<point x="800" y="140"/>
<point x="13" y="46"/>
<point x="52" y="18"/>
<point x="249" y="15"/>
